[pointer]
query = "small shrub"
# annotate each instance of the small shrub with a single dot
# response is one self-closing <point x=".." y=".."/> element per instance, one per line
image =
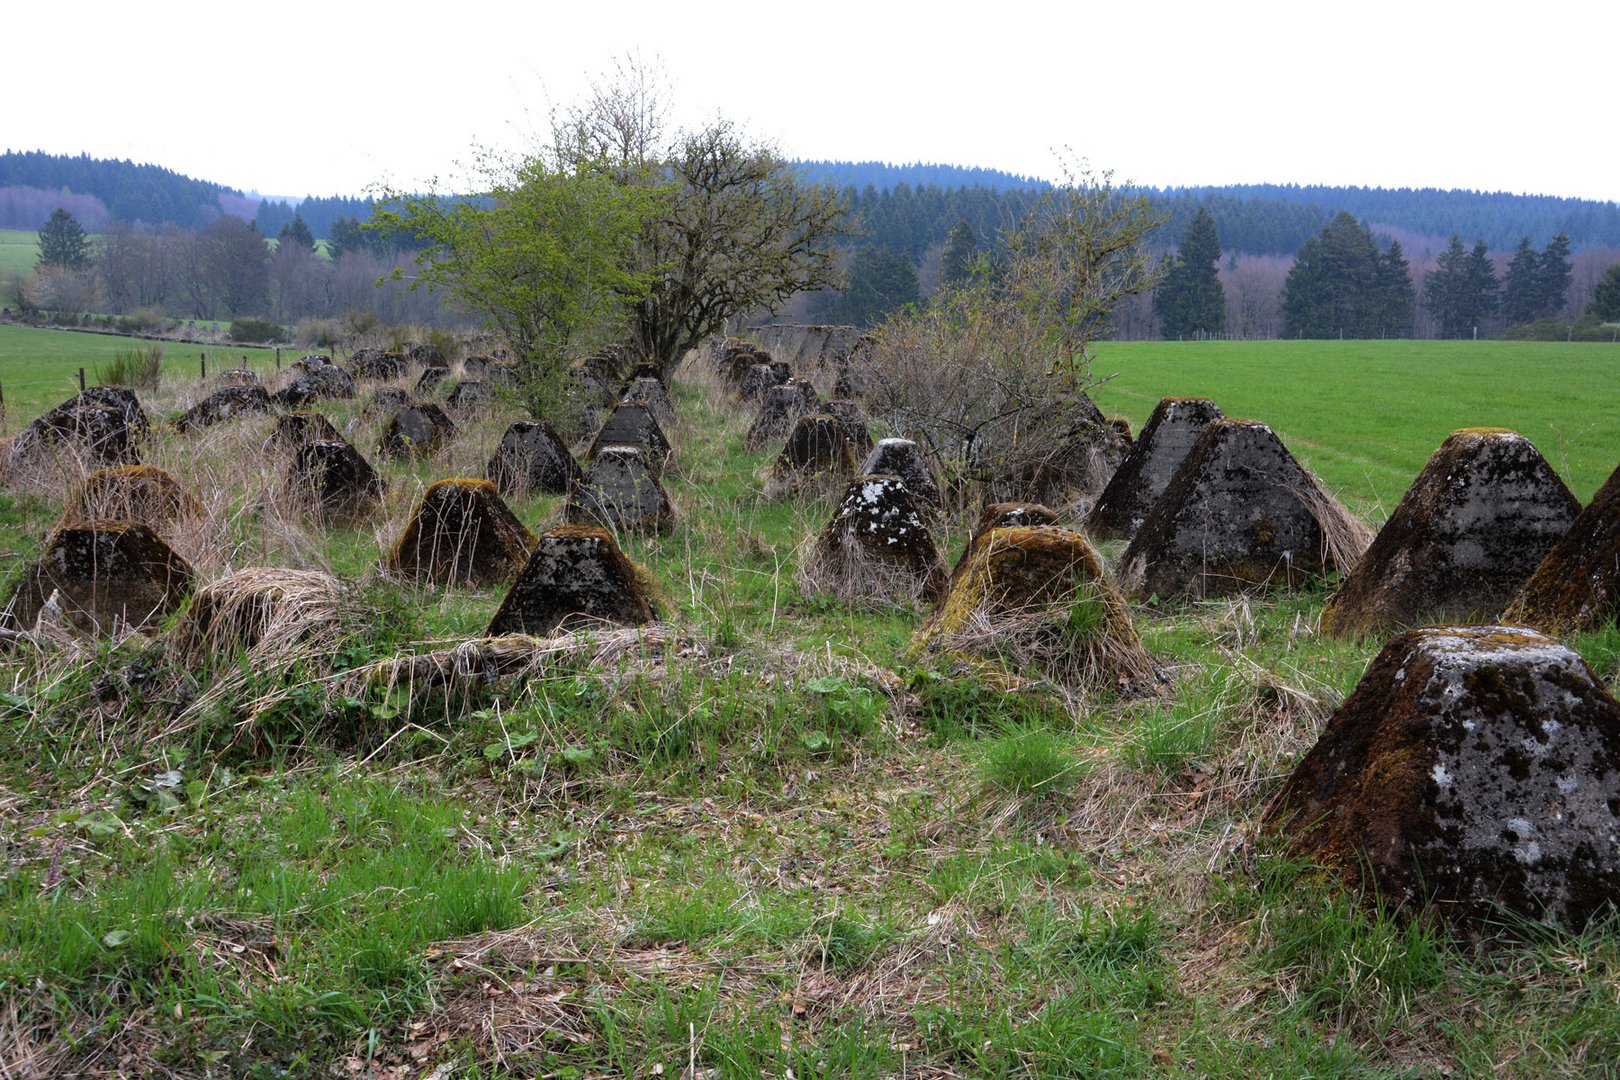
<point x="147" y="320"/>
<point x="251" y="329"/>
<point x="318" y="333"/>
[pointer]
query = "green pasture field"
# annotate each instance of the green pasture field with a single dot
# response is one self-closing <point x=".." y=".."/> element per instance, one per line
<point x="19" y="251"/>
<point x="1366" y="415"/>
<point x="40" y="368"/>
<point x="766" y="836"/>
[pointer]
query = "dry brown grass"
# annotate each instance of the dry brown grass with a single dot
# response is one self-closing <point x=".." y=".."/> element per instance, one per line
<point x="275" y="616"/>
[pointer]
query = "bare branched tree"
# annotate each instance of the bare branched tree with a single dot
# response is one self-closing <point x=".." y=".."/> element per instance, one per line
<point x="991" y="376"/>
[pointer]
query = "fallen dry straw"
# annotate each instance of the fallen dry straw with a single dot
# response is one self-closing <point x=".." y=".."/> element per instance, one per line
<point x="270" y="613"/>
<point x="475" y="664"/>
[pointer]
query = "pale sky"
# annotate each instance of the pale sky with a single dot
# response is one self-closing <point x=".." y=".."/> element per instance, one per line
<point x="302" y="98"/>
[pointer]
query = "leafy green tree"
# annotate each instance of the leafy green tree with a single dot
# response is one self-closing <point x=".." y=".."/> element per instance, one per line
<point x="547" y="254"/>
<point x="1190" y="301"/>
<point x="961" y="250"/>
<point x="1605" y="305"/>
<point x="62" y="242"/>
<point x="1074" y="260"/>
<point x="296" y="232"/>
<point x="734" y="228"/>
<point x="879" y="282"/>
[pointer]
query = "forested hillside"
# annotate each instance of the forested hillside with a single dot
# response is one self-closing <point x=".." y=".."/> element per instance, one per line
<point x="148" y="194"/>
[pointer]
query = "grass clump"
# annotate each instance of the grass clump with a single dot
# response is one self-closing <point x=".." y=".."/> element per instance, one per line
<point x="1029" y="761"/>
<point x="136" y="367"/>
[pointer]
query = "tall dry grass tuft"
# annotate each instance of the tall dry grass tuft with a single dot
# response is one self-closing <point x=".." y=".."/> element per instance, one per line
<point x="275" y="616"/>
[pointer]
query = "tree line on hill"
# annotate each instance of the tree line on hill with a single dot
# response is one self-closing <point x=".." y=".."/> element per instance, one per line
<point x="1284" y="265"/>
<point x="226" y="270"/>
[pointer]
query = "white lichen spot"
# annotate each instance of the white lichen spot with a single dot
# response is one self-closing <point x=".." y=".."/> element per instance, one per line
<point x="1441" y="776"/>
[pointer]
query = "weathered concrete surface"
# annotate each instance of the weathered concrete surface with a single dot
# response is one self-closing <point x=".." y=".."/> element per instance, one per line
<point x="621" y="491"/>
<point x="577" y="578"/>
<point x="103" y="426"/>
<point x="1577" y="586"/>
<point x="853" y="420"/>
<point x="334" y="482"/>
<point x="295" y="429"/>
<point x="651" y="392"/>
<point x="779" y="408"/>
<point x="376" y="365"/>
<point x="758" y="379"/>
<point x="905" y="459"/>
<point x="461" y="533"/>
<point x="1470" y="530"/>
<point x="1240" y="513"/>
<point x="632" y="423"/>
<point x="1474" y="767"/>
<point x="816" y="454"/>
<point x="1141" y="478"/>
<point x="314" y="378"/>
<point x="877" y="547"/>
<point x="231" y="403"/>
<point x="532" y="457"/>
<point x="104" y="576"/>
<point x="421" y="429"/>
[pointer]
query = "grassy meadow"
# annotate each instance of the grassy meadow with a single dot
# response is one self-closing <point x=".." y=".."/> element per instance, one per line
<point x="19" y="251"/>
<point x="762" y="837"/>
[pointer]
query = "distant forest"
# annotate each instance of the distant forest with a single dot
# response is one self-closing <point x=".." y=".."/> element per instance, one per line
<point x="902" y="208"/>
<point x="913" y="227"/>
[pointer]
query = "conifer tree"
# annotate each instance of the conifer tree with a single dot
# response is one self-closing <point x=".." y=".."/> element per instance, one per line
<point x="1521" y="299"/>
<point x="1605" y="305"/>
<point x="1397" y="300"/>
<point x="1460" y="292"/>
<point x="1190" y="300"/>
<point x="1340" y="286"/>
<point x="961" y="246"/>
<point x="1553" y="273"/>
<point x="295" y="231"/>
<point x="62" y="242"/>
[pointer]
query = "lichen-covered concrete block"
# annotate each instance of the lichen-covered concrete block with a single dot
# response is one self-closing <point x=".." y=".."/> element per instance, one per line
<point x="335" y="483"/>
<point x="461" y="533"/>
<point x="1577" y="586"/>
<point x="1239" y="514"/>
<point x="532" y="457"/>
<point x="1141" y="478"/>
<point x="104" y="576"/>
<point x="1472" y="527"/>
<point x="577" y="578"/>
<point x="420" y="430"/>
<point x="632" y="423"/>
<point x="622" y="492"/>
<point x="877" y="546"/>
<point x="1036" y="596"/>
<point x="1474" y="767"/>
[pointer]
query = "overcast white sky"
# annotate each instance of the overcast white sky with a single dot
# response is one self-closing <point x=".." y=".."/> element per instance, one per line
<point x="303" y="98"/>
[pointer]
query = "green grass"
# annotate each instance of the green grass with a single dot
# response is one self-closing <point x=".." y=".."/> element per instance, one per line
<point x="1366" y="415"/>
<point x="19" y="250"/>
<point x="40" y="368"/>
<point x="778" y="841"/>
